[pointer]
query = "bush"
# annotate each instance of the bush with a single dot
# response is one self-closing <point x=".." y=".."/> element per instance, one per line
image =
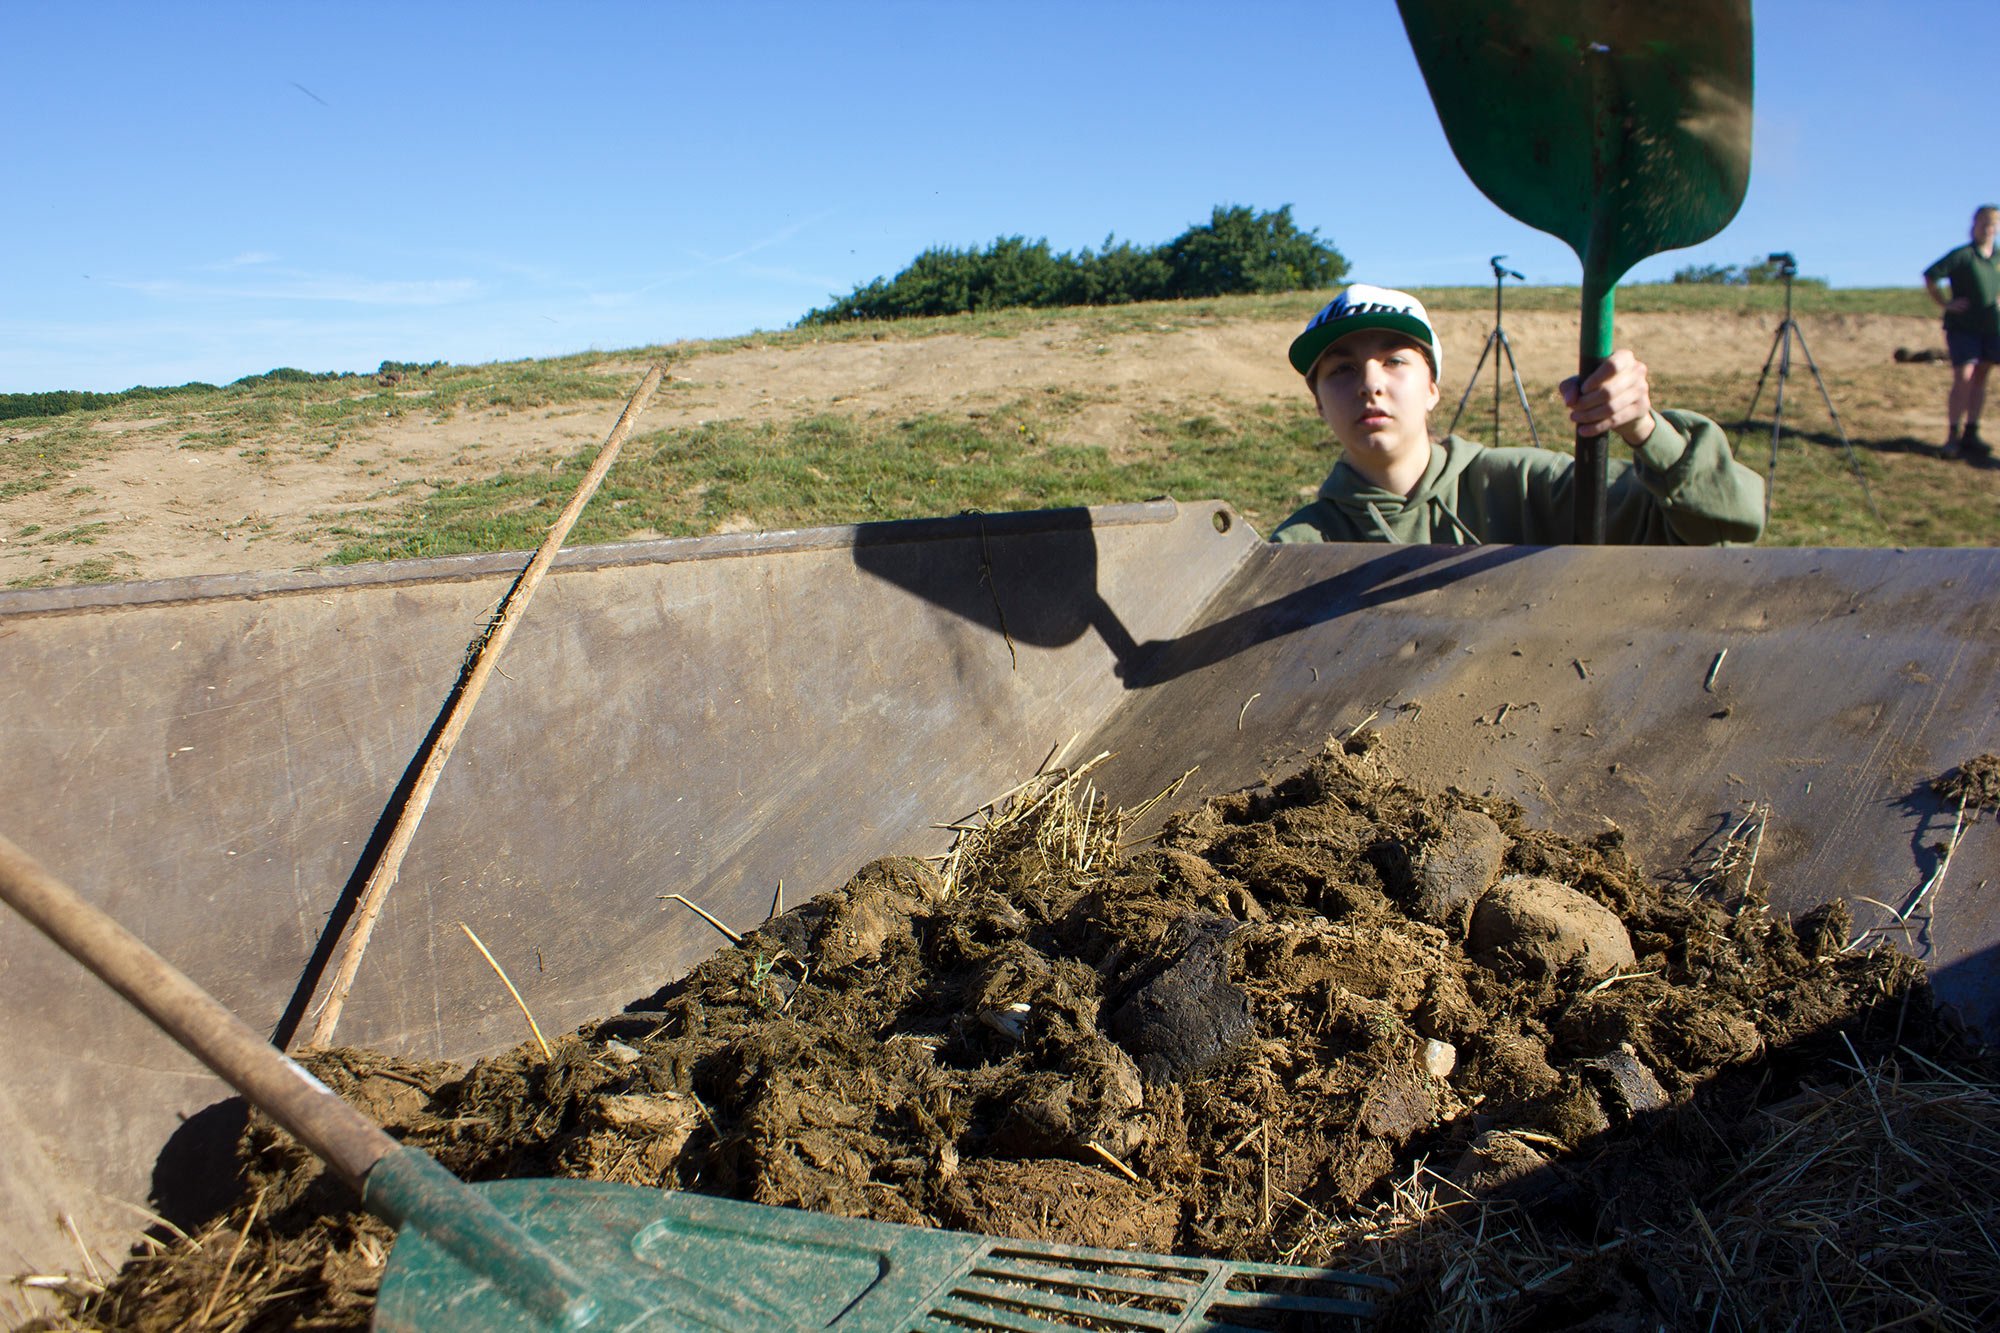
<point x="1236" y="250"/>
<point x="1756" y="273"/>
<point x="286" y="375"/>
<point x="52" y="404"/>
<point x="1241" y="251"/>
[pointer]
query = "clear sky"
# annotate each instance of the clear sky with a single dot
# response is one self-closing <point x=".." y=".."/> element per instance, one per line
<point x="214" y="190"/>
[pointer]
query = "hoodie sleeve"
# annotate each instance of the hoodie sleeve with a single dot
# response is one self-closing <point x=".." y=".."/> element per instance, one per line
<point x="1685" y="488"/>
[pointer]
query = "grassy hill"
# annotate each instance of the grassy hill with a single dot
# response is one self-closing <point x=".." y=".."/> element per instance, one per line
<point x="1003" y="410"/>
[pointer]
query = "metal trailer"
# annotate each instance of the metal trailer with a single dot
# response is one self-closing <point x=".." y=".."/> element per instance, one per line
<point x="210" y="759"/>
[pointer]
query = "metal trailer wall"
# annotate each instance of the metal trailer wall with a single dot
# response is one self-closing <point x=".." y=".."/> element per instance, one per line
<point x="210" y="759"/>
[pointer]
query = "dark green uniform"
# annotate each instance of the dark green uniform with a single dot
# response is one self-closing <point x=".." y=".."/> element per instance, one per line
<point x="1977" y="278"/>
<point x="1682" y="488"/>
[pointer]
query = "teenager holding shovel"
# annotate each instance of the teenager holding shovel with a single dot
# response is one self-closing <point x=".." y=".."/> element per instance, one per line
<point x="1371" y="361"/>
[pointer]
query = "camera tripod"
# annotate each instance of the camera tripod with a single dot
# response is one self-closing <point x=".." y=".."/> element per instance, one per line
<point x="1781" y="352"/>
<point x="1497" y="339"/>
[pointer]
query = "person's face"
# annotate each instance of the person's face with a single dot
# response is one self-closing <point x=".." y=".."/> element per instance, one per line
<point x="1375" y="392"/>
<point x="1985" y="227"/>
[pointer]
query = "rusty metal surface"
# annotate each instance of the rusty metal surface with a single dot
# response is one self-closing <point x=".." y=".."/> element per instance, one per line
<point x="207" y="759"/>
<point x="1577" y="682"/>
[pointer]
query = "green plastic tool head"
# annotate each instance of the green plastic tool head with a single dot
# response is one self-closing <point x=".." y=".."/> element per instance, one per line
<point x="1621" y="127"/>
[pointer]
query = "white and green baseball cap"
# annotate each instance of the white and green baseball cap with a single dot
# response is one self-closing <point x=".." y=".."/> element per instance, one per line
<point x="1364" y="307"/>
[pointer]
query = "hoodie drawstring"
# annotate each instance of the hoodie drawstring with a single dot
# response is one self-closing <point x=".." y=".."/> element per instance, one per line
<point x="1382" y="526"/>
<point x="1471" y="538"/>
<point x="1467" y="537"/>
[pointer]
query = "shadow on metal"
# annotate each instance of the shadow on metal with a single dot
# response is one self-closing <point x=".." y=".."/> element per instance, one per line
<point x="1049" y="599"/>
<point x="1057" y="600"/>
<point x="1402" y="573"/>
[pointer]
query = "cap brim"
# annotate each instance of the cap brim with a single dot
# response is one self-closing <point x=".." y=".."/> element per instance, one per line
<point x="1307" y="347"/>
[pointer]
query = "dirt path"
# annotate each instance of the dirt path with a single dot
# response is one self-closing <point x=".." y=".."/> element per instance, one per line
<point x="155" y="502"/>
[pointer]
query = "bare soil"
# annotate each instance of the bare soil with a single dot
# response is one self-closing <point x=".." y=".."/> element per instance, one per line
<point x="1241" y="1041"/>
<point x="170" y="506"/>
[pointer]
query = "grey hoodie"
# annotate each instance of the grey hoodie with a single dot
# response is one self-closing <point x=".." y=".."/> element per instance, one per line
<point x="1682" y="488"/>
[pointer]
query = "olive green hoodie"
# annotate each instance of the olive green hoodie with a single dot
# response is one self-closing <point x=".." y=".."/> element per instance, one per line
<point x="1682" y="488"/>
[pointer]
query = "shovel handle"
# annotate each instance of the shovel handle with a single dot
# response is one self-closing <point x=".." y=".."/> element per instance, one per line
<point x="1588" y="477"/>
<point x="409" y="1187"/>
<point x="342" y="1137"/>
<point x="1592" y="465"/>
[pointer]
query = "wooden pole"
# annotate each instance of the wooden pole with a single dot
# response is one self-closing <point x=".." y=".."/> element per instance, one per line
<point x="487" y="655"/>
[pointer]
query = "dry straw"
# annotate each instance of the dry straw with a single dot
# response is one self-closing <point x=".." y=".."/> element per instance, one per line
<point x="1072" y="825"/>
<point x="505" y="980"/>
<point x="1872" y="1205"/>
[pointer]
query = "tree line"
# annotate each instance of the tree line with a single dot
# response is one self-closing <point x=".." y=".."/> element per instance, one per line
<point x="1756" y="273"/>
<point x="57" y="402"/>
<point x="1237" y="250"/>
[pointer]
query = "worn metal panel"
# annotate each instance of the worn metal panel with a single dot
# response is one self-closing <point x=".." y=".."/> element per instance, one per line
<point x="208" y="759"/>
<point x="1577" y="682"/>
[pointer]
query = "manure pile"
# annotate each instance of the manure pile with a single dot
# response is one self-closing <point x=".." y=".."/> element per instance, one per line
<point x="1337" y="1021"/>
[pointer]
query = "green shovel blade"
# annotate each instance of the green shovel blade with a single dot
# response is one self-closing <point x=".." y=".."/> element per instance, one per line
<point x="1623" y="128"/>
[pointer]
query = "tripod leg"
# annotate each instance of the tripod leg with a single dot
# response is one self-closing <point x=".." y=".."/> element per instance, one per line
<point x="1526" y="411"/>
<point x="1769" y="356"/>
<point x="1466" y="396"/>
<point x="1500" y="345"/>
<point x="1853" y="462"/>
<point x="1784" y="341"/>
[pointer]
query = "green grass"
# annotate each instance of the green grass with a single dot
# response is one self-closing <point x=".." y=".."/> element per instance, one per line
<point x="82" y="534"/>
<point x="1817" y="498"/>
<point x="96" y="569"/>
<point x="36" y="453"/>
<point x="827" y="469"/>
<point x="46" y="456"/>
<point x="1162" y="316"/>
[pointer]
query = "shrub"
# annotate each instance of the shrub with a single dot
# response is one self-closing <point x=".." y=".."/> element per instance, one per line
<point x="287" y="375"/>
<point x="1236" y="250"/>
<point x="1756" y="273"/>
<point x="1241" y="251"/>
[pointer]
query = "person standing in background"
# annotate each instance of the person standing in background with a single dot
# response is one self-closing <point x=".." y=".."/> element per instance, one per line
<point x="1971" y="329"/>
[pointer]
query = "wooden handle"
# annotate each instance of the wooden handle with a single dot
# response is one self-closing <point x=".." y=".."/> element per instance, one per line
<point x="344" y="1138"/>
<point x="485" y="657"/>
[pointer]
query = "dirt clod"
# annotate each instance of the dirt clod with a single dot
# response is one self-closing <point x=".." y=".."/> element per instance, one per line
<point x="1455" y="870"/>
<point x="1976" y="783"/>
<point x="1537" y="926"/>
<point x="1188" y="1015"/>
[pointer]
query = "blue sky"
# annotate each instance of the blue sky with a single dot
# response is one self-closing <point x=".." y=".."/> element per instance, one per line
<point x="204" y="192"/>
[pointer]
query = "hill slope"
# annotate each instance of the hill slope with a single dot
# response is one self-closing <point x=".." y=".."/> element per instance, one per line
<point x="1014" y="410"/>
